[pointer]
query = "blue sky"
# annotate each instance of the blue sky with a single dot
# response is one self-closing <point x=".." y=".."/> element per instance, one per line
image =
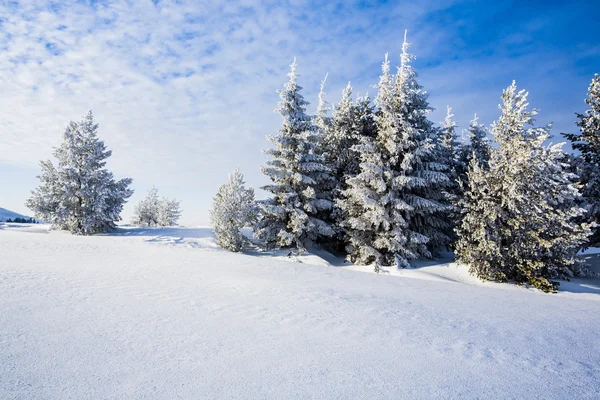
<point x="184" y="91"/>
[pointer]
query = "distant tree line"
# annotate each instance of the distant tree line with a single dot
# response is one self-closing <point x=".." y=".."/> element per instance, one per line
<point x="20" y="220"/>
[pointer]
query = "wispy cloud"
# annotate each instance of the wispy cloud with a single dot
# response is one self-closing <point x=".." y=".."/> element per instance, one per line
<point x="184" y="90"/>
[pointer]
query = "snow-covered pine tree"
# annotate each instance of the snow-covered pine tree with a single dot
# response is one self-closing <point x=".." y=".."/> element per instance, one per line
<point x="294" y="216"/>
<point x="79" y="194"/>
<point x="153" y="211"/>
<point x="398" y="187"/>
<point x="233" y="208"/>
<point x="365" y="125"/>
<point x="450" y="150"/>
<point x="422" y="168"/>
<point x="145" y="213"/>
<point x="322" y="118"/>
<point x="169" y="212"/>
<point x="374" y="225"/>
<point x="351" y="120"/>
<point x="587" y="164"/>
<point x="478" y="146"/>
<point x="520" y="211"/>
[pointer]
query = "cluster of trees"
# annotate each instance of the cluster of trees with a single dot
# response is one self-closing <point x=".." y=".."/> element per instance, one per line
<point x="385" y="184"/>
<point x="79" y="194"/>
<point x="153" y="211"/>
<point x="20" y="220"/>
<point x="380" y="181"/>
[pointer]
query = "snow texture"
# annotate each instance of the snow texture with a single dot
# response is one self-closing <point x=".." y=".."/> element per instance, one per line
<point x="164" y="313"/>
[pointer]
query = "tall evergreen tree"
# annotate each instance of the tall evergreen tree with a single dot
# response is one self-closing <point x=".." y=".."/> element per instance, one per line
<point x="450" y="151"/>
<point x="520" y="210"/>
<point x="422" y="165"/>
<point x="79" y="194"/>
<point x="351" y="121"/>
<point x="393" y="206"/>
<point x="294" y="216"/>
<point x="587" y="142"/>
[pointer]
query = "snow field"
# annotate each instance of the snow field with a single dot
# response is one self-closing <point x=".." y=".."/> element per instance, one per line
<point x="164" y="313"/>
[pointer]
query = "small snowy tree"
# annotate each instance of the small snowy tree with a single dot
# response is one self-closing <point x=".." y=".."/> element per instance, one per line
<point x="169" y="212"/>
<point x="295" y="215"/>
<point x="153" y="211"/>
<point x="520" y="211"/>
<point x="145" y="213"/>
<point x="79" y="194"/>
<point x="233" y="208"/>
<point x="587" y="164"/>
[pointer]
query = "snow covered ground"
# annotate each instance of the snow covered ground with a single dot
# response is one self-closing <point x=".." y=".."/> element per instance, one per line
<point x="166" y="314"/>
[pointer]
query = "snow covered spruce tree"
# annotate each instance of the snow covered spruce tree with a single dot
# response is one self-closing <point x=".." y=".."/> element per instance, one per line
<point x="587" y="164"/>
<point x="153" y="211"/>
<point x="450" y="151"/>
<point x="295" y="215"/>
<point x="79" y="194"/>
<point x="233" y="208"/>
<point x="478" y="146"/>
<point x="423" y="168"/>
<point x="394" y="206"/>
<point x="520" y="211"/>
<point x="350" y="122"/>
<point x="322" y="119"/>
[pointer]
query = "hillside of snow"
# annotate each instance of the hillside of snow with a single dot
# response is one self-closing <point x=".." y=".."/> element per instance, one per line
<point x="7" y="214"/>
<point x="166" y="314"/>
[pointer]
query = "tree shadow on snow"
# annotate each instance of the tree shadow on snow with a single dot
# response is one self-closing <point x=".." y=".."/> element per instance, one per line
<point x="585" y="284"/>
<point x="175" y="232"/>
<point x="190" y="237"/>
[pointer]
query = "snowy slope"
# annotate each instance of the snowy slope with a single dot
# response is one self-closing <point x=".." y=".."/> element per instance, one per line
<point x="7" y="214"/>
<point x="166" y="314"/>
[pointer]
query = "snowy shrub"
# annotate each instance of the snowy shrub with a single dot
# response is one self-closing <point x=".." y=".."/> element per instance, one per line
<point x="78" y="193"/>
<point x="153" y="211"/>
<point x="520" y="211"/>
<point x="233" y="208"/>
